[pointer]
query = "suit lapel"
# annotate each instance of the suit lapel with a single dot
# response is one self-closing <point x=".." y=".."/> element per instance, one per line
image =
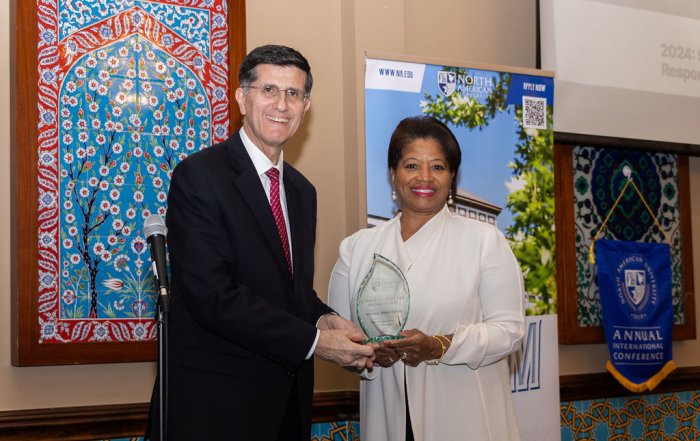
<point x="294" y="213"/>
<point x="248" y="183"/>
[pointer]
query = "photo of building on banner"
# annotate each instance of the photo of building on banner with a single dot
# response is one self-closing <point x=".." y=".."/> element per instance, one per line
<point x="502" y="119"/>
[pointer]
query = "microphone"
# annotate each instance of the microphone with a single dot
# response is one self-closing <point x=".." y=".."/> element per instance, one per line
<point x="155" y="231"/>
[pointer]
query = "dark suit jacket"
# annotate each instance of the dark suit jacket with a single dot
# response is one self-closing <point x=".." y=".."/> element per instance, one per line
<point x="240" y="326"/>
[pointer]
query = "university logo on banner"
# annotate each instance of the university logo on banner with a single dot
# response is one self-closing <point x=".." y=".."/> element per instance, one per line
<point x="447" y="82"/>
<point x="635" y="284"/>
<point x="635" y="294"/>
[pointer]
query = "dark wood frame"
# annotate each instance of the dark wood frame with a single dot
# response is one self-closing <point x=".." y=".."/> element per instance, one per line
<point x="129" y="420"/>
<point x="26" y="351"/>
<point x="603" y="385"/>
<point x="569" y="330"/>
<point x="126" y="420"/>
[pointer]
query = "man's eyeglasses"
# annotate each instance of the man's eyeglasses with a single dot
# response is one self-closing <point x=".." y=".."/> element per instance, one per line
<point x="272" y="91"/>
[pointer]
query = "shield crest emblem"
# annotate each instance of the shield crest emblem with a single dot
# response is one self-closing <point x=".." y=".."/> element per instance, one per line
<point x="635" y="282"/>
<point x="447" y="82"/>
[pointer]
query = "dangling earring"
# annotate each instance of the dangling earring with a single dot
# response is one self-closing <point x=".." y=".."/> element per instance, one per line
<point x="450" y="201"/>
<point x="393" y="194"/>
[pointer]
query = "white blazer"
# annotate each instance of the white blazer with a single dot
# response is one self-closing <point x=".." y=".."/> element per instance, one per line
<point x="463" y="280"/>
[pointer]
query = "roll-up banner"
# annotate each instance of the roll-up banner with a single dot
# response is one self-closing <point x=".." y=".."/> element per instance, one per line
<point x="502" y="118"/>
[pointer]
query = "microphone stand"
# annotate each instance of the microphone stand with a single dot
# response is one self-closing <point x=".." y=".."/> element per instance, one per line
<point x="162" y="326"/>
<point x="155" y="231"/>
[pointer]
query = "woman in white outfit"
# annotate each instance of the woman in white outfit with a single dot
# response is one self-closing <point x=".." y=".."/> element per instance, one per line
<point x="448" y="379"/>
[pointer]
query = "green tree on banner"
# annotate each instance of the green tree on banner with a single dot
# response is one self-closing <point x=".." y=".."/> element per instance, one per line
<point x="532" y="233"/>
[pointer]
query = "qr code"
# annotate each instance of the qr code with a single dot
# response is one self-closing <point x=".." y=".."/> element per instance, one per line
<point x="534" y="112"/>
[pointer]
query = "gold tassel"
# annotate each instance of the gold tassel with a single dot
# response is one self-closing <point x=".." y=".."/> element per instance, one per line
<point x="649" y="385"/>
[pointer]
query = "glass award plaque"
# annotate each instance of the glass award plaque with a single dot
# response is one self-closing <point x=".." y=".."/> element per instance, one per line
<point x="383" y="301"/>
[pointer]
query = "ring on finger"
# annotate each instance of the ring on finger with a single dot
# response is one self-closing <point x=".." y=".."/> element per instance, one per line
<point x="403" y="355"/>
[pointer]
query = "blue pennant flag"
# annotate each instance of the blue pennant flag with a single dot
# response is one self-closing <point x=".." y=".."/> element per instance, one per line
<point x="635" y="293"/>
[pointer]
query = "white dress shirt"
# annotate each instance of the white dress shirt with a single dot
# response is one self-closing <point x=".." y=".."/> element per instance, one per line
<point x="262" y="164"/>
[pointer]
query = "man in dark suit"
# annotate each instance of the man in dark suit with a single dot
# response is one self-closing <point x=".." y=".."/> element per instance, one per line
<point x="244" y="320"/>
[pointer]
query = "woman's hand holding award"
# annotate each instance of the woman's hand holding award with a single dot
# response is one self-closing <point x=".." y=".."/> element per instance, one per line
<point x="383" y="301"/>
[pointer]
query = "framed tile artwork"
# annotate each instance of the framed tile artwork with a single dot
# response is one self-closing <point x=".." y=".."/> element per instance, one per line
<point x="589" y="176"/>
<point x="110" y="95"/>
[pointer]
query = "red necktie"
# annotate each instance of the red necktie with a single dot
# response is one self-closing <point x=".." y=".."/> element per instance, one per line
<point x="274" y="176"/>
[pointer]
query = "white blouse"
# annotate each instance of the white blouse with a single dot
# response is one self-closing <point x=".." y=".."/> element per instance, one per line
<point x="463" y="280"/>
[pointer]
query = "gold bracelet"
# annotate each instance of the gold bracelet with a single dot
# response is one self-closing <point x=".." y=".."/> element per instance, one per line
<point x="436" y="361"/>
<point x="449" y="342"/>
<point x="446" y="346"/>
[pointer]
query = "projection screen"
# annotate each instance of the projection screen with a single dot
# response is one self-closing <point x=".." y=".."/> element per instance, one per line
<point x="624" y="68"/>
